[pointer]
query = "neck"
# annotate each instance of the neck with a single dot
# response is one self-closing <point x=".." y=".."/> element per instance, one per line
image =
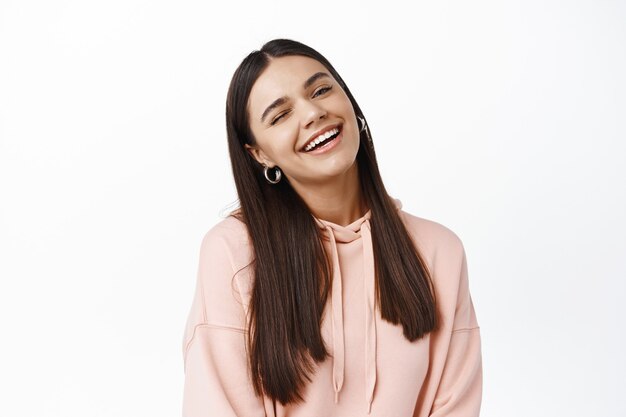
<point x="340" y="202"/>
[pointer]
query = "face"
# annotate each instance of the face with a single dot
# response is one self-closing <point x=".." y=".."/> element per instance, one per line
<point x="295" y="100"/>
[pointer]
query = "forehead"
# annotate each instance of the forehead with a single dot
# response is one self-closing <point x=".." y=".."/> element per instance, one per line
<point x="283" y="76"/>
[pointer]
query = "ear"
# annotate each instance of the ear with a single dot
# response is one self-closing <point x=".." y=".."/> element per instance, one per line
<point x="260" y="156"/>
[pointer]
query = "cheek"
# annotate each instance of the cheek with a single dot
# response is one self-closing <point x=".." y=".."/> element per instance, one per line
<point x="283" y="140"/>
<point x="345" y="102"/>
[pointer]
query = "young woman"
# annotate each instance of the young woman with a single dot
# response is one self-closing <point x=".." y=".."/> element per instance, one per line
<point x="319" y="296"/>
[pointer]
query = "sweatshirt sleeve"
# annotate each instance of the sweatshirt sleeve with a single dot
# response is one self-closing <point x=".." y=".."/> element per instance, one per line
<point x="217" y="381"/>
<point x="460" y="388"/>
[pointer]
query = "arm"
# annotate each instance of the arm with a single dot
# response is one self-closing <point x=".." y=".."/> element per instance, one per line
<point x="460" y="388"/>
<point x="215" y="361"/>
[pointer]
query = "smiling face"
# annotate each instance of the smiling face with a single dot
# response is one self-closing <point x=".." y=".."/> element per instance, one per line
<point x="294" y="100"/>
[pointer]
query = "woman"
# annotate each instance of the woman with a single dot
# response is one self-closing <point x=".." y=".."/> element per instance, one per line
<point x="320" y="296"/>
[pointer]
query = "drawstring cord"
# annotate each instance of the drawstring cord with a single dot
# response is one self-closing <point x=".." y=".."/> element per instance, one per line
<point x="337" y="320"/>
<point x="370" y="315"/>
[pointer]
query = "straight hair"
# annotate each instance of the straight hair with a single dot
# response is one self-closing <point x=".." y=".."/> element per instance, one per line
<point x="292" y="272"/>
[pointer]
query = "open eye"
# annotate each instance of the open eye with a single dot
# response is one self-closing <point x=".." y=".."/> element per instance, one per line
<point x="323" y="90"/>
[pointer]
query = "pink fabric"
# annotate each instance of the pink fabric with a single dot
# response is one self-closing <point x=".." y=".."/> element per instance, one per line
<point x="374" y="370"/>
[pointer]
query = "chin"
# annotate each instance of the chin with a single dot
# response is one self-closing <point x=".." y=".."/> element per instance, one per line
<point x="336" y="167"/>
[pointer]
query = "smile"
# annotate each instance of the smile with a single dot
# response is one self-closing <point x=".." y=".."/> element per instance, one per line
<point x="322" y="140"/>
<point x="327" y="144"/>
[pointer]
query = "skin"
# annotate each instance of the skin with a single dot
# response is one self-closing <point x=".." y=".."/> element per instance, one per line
<point x="328" y="183"/>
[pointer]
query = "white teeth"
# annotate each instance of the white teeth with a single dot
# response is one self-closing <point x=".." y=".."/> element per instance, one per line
<point x="321" y="138"/>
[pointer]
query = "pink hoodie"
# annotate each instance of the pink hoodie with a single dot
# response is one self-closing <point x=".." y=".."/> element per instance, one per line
<point x="374" y="371"/>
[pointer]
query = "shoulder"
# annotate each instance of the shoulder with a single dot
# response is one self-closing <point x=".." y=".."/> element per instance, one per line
<point x="223" y="258"/>
<point x="227" y="241"/>
<point x="432" y="237"/>
<point x="444" y="253"/>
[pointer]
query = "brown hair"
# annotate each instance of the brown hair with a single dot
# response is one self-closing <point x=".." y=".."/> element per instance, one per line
<point x="292" y="274"/>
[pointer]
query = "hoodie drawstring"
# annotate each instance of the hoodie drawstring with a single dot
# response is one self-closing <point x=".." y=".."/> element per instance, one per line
<point x="337" y="319"/>
<point x="370" y="314"/>
<point x="370" y="310"/>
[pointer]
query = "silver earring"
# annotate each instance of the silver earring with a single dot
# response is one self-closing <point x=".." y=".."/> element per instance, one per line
<point x="362" y="120"/>
<point x="363" y="127"/>
<point x="277" y="174"/>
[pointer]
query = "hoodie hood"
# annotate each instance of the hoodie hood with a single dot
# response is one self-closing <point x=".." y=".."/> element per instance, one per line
<point x="334" y="233"/>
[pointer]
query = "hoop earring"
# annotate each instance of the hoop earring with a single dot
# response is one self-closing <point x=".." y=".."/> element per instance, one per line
<point x="277" y="173"/>
<point x="362" y="120"/>
<point x="364" y="127"/>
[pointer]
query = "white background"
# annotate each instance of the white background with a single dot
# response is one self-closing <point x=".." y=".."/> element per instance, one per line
<point x="503" y="120"/>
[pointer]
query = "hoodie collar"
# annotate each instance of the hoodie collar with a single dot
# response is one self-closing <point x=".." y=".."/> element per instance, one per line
<point x="360" y="228"/>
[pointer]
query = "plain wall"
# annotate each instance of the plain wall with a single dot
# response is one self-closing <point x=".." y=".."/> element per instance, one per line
<point x="503" y="120"/>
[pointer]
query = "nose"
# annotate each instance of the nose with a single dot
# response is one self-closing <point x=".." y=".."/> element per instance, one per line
<point x="312" y="112"/>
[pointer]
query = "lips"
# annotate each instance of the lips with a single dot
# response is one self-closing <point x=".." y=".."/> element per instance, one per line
<point x="320" y="132"/>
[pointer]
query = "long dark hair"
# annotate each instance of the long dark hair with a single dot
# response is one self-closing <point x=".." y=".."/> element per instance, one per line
<point x="292" y="273"/>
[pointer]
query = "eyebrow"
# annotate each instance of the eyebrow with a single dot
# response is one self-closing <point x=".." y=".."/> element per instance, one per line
<point x="281" y="100"/>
